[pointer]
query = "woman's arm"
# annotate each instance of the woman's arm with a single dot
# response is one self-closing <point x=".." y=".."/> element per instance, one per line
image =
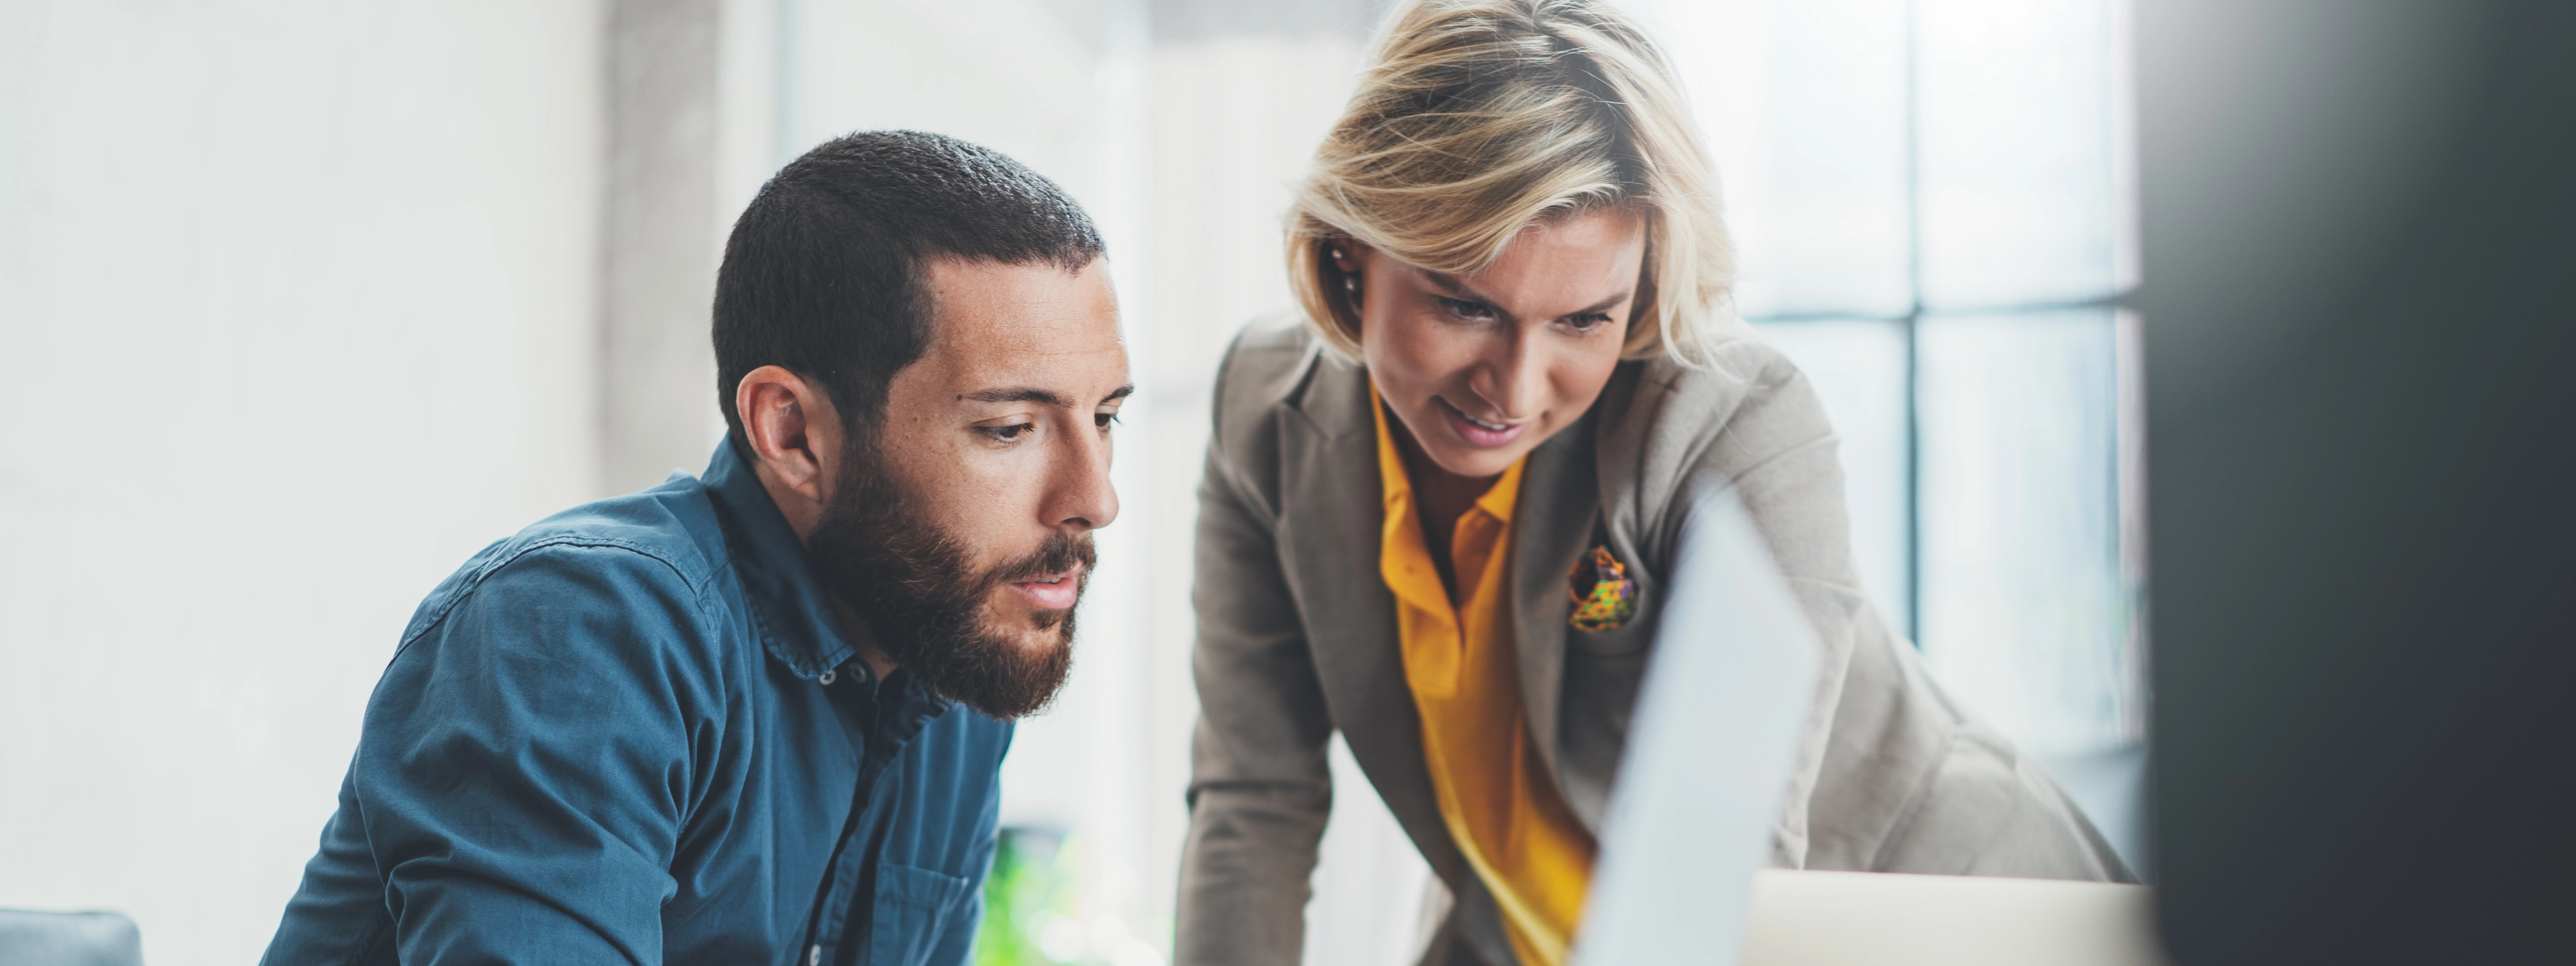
<point x="1892" y="776"/>
<point x="1777" y="452"/>
<point x="1260" y="788"/>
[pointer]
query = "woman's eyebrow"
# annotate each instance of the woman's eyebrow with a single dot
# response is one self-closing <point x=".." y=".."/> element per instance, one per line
<point x="1453" y="285"/>
<point x="1458" y="288"/>
<point x="1602" y="306"/>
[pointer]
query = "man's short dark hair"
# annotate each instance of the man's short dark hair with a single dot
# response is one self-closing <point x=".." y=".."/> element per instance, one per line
<point x="824" y="272"/>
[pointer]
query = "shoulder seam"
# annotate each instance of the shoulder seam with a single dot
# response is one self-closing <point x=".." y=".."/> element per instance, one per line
<point x="697" y="588"/>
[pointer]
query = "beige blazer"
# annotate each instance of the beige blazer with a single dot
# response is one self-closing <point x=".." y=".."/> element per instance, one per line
<point x="1297" y="638"/>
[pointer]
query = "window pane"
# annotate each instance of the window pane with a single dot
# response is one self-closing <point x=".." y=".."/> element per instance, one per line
<point x="2019" y="133"/>
<point x="1804" y="106"/>
<point x="2025" y="611"/>
<point x="1858" y="368"/>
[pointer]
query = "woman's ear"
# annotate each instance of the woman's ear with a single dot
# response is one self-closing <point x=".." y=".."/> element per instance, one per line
<point x="1345" y="254"/>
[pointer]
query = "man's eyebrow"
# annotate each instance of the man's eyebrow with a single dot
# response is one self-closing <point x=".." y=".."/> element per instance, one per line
<point x="1042" y="397"/>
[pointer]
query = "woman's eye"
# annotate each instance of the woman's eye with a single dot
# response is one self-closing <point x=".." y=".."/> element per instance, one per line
<point x="1464" y="309"/>
<point x="1587" y="322"/>
<point x="1008" y="433"/>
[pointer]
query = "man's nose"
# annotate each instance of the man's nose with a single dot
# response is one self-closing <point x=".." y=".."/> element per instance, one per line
<point x="1081" y="496"/>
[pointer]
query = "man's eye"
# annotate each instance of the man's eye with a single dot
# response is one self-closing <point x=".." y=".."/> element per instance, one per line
<point x="1464" y="309"/>
<point x="1008" y="433"/>
<point x="1104" y="420"/>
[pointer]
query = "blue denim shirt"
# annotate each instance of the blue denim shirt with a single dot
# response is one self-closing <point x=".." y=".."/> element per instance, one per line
<point x="635" y="733"/>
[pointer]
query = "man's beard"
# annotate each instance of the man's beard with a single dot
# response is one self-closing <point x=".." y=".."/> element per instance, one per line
<point x="918" y="592"/>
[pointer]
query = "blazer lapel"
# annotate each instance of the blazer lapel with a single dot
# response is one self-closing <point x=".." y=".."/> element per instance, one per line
<point x="1332" y="518"/>
<point x="1331" y="526"/>
<point x="1551" y="528"/>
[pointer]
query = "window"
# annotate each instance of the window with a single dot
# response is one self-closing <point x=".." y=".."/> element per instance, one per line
<point x="1933" y="201"/>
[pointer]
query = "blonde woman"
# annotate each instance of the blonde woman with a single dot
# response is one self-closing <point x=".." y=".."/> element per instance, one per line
<point x="1440" y="505"/>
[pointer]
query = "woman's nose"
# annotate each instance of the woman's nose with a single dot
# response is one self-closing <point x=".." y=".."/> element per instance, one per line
<point x="1512" y="376"/>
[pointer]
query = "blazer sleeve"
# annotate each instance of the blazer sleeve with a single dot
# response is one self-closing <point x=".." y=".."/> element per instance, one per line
<point x="1893" y="776"/>
<point x="1260" y="788"/>
<point x="1770" y="443"/>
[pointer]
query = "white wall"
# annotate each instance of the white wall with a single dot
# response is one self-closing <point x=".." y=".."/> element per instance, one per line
<point x="1237" y="116"/>
<point x="315" y="287"/>
<point x="296" y="313"/>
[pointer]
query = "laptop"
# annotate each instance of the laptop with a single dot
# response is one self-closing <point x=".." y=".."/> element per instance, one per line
<point x="1709" y="753"/>
<point x="1803" y="918"/>
<point x="1717" y="725"/>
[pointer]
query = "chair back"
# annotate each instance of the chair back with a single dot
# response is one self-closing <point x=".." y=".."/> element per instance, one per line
<point x="69" y="939"/>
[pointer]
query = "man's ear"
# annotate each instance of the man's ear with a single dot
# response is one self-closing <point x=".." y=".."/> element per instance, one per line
<point x="795" y="437"/>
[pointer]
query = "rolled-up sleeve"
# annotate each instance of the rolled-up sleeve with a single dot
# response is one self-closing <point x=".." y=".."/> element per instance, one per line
<point x="527" y="761"/>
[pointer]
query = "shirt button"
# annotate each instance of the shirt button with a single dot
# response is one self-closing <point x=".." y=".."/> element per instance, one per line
<point x="828" y="677"/>
<point x="814" y="956"/>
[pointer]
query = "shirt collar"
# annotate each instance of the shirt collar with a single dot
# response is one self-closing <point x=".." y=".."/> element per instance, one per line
<point x="792" y="612"/>
<point x="1497" y="502"/>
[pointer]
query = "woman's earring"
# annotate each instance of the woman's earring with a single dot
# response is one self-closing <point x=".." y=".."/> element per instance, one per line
<point x="1350" y="280"/>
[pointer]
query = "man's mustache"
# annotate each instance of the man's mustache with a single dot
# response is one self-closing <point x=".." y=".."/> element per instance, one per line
<point x="1059" y="553"/>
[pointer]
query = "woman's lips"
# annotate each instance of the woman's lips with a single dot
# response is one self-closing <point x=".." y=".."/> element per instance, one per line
<point x="1477" y="432"/>
<point x="1054" y="593"/>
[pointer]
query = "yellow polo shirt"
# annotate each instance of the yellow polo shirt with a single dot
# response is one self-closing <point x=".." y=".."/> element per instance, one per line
<point x="1495" y="793"/>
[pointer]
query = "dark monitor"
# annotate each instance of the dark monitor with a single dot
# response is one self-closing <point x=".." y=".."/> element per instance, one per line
<point x="2359" y="308"/>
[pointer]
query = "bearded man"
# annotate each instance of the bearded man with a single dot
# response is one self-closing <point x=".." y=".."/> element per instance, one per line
<point x="756" y="716"/>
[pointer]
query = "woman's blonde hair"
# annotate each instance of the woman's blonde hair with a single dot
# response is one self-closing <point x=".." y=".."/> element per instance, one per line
<point x="1478" y="118"/>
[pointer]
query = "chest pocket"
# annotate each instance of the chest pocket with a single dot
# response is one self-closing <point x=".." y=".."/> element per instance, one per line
<point x="1603" y="671"/>
<point x="916" y="908"/>
<point x="1613" y="604"/>
<point x="1628" y="641"/>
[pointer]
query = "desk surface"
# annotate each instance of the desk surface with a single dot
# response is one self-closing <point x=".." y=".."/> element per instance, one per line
<point x="1867" y="919"/>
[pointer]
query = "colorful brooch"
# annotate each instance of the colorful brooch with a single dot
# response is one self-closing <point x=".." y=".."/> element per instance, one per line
<point x="1604" y="595"/>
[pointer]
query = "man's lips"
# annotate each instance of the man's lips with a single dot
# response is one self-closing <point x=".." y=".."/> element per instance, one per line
<point x="1479" y="433"/>
<point x="1054" y="591"/>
